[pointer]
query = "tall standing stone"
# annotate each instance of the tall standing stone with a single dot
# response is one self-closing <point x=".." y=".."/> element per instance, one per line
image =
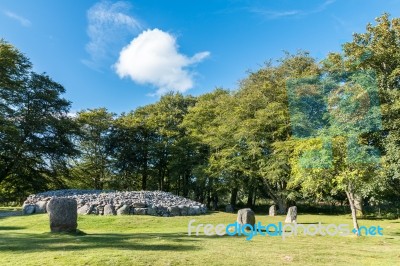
<point x="291" y="216"/>
<point x="272" y="210"/>
<point x="246" y="216"/>
<point x="63" y="215"/>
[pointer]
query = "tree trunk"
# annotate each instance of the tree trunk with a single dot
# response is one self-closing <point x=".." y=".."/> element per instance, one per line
<point x="350" y="197"/>
<point x="250" y="198"/>
<point x="254" y="196"/>
<point x="144" y="176"/>
<point x="358" y="204"/>
<point x="282" y="205"/>
<point x="215" y="201"/>
<point x="234" y="196"/>
<point x="266" y="190"/>
<point x="144" y="179"/>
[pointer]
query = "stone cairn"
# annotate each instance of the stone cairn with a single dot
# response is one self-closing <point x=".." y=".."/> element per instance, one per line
<point x="96" y="202"/>
<point x="291" y="216"/>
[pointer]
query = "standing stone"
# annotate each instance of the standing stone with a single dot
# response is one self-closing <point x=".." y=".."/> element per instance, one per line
<point x="246" y="216"/>
<point x="229" y="208"/>
<point x="272" y="210"/>
<point x="109" y="210"/>
<point x="63" y="215"/>
<point x="291" y="216"/>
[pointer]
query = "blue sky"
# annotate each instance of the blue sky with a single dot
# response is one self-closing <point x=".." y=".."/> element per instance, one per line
<point x="125" y="54"/>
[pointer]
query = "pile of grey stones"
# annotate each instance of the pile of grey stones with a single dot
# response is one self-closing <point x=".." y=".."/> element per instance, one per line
<point x="96" y="202"/>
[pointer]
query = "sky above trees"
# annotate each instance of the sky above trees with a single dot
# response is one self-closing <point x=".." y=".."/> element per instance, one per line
<point x="125" y="54"/>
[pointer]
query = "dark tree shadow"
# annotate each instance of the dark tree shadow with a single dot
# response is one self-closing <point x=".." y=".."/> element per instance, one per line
<point x="11" y="228"/>
<point x="80" y="241"/>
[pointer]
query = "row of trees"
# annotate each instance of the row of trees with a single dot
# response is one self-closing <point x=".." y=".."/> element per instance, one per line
<point x="294" y="129"/>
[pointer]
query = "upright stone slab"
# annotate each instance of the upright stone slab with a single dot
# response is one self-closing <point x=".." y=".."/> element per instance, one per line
<point x="229" y="208"/>
<point x="272" y="210"/>
<point x="246" y="216"/>
<point x="63" y="214"/>
<point x="291" y="216"/>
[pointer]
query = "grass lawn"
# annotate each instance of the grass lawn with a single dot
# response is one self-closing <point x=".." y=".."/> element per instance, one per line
<point x="148" y="240"/>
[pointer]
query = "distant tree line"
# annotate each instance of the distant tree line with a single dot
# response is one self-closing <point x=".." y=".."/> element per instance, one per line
<point x="261" y="141"/>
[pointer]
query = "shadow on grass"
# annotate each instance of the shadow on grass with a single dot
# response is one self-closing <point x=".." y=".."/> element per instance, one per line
<point x="80" y="241"/>
<point x="11" y="228"/>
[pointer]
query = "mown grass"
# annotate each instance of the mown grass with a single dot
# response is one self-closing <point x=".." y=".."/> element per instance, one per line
<point x="147" y="240"/>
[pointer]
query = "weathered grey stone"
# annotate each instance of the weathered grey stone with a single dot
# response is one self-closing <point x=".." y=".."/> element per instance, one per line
<point x="140" y="211"/>
<point x="229" y="208"/>
<point x="184" y="210"/>
<point x="84" y="209"/>
<point x="93" y="209"/>
<point x="28" y="208"/>
<point x="124" y="210"/>
<point x="109" y="210"/>
<point x="291" y="216"/>
<point x="272" y="210"/>
<point x="152" y="210"/>
<point x="194" y="210"/>
<point x="174" y="211"/>
<point x="40" y="206"/>
<point x="63" y="215"/>
<point x="100" y="210"/>
<point x="139" y="205"/>
<point x="246" y="216"/>
<point x="203" y="209"/>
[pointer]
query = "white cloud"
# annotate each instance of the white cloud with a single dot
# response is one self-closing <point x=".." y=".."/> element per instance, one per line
<point x="153" y="58"/>
<point x="269" y="14"/>
<point x="275" y="14"/>
<point x="23" y="21"/>
<point x="108" y="25"/>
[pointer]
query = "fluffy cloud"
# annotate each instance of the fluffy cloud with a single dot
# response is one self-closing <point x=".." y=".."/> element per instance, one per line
<point x="108" y="25"/>
<point x="153" y="58"/>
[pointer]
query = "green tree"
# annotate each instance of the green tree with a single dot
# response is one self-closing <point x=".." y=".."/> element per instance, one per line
<point x="92" y="167"/>
<point x="35" y="130"/>
<point x="378" y="50"/>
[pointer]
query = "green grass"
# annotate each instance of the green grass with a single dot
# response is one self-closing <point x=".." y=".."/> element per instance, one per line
<point x="147" y="240"/>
